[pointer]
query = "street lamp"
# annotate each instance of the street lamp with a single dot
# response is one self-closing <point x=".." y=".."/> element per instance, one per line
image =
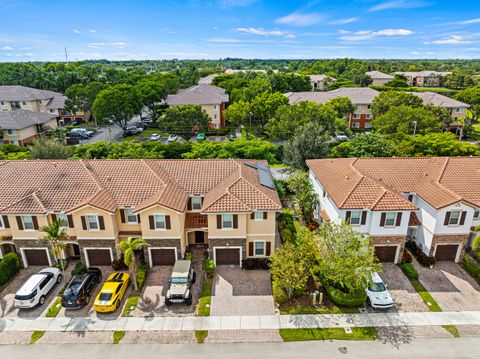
<point x="250" y="114"/>
<point x="414" y="128"/>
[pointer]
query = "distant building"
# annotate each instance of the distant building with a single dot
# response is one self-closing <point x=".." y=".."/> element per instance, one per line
<point x="424" y="78"/>
<point x="321" y="82"/>
<point x="213" y="100"/>
<point x="207" y="80"/>
<point x="379" y="78"/>
<point x="22" y="126"/>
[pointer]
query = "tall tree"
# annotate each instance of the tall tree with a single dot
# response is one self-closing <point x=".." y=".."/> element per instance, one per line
<point x="372" y="144"/>
<point x="387" y="99"/>
<point x="130" y="249"/>
<point x="56" y="235"/>
<point x="185" y="118"/>
<point x="471" y="96"/>
<point x="406" y="119"/>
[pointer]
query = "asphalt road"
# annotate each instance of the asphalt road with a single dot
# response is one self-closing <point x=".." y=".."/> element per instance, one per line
<point x="427" y="348"/>
<point x="104" y="135"/>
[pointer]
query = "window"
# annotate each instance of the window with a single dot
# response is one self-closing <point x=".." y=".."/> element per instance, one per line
<point x="62" y="218"/>
<point x="476" y="215"/>
<point x="14" y="142"/>
<point x="259" y="248"/>
<point x="215" y="125"/>
<point x="92" y="223"/>
<point x="356" y="116"/>
<point x="227" y="221"/>
<point x="368" y="115"/>
<point x="368" y="124"/>
<point x="160" y="221"/>
<point x="24" y="103"/>
<point x="214" y="107"/>
<point x="454" y="218"/>
<point x="2" y="103"/>
<point x="28" y="223"/>
<point x="459" y="110"/>
<point x="215" y="116"/>
<point x="196" y="203"/>
<point x="130" y="217"/>
<point x="2" y="226"/>
<point x="52" y="110"/>
<point x="324" y="193"/>
<point x="11" y="132"/>
<point x="355" y="217"/>
<point x="258" y="216"/>
<point x="355" y="125"/>
<point x="390" y="219"/>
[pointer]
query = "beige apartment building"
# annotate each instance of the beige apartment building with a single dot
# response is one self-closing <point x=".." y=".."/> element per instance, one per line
<point x="424" y="78"/>
<point x="22" y="126"/>
<point x="379" y="78"/>
<point x="213" y="100"/>
<point x="225" y="206"/>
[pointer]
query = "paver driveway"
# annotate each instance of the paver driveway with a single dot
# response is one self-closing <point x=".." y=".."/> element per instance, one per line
<point x="239" y="292"/>
<point x="450" y="286"/>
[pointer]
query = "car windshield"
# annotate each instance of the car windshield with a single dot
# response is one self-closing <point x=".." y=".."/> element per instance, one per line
<point x="105" y="296"/>
<point x="72" y="289"/>
<point x="377" y="287"/>
<point x="179" y="280"/>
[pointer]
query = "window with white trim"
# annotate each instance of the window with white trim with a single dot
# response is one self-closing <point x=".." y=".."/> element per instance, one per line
<point x="11" y="132"/>
<point x="356" y="115"/>
<point x="2" y="225"/>
<point x="454" y="218"/>
<point x="196" y="203"/>
<point x="368" y="124"/>
<point x="227" y="221"/>
<point x="28" y="223"/>
<point x="92" y="223"/>
<point x="390" y="219"/>
<point x="259" y="248"/>
<point x="215" y="116"/>
<point x="130" y="216"/>
<point x="160" y="221"/>
<point x="214" y="107"/>
<point x="459" y="110"/>
<point x="476" y="215"/>
<point x="215" y="125"/>
<point x="355" y="217"/>
<point x="355" y="124"/>
<point x="63" y="219"/>
<point x="258" y="216"/>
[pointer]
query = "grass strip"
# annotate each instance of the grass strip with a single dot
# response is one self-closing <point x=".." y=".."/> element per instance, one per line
<point x="131" y="302"/>
<point x="54" y="308"/>
<point x="426" y="296"/>
<point x="201" y="335"/>
<point x="294" y="335"/>
<point x="205" y="298"/>
<point x="36" y="335"/>
<point x="118" y="336"/>
<point x="292" y="309"/>
<point x="452" y="329"/>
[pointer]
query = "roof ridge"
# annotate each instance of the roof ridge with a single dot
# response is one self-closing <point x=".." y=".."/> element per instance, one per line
<point x="356" y="184"/>
<point x="34" y="195"/>
<point x="91" y="174"/>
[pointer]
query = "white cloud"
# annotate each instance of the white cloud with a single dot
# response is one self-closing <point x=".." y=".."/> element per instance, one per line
<point x="299" y="19"/>
<point x="223" y="40"/>
<point x="363" y="35"/>
<point x="344" y="32"/>
<point x="398" y="4"/>
<point x="343" y="21"/>
<point x="92" y="31"/>
<point x="96" y="45"/>
<point x="415" y="53"/>
<point x="76" y="31"/>
<point x="451" y="40"/>
<point x="119" y="45"/>
<point x="6" y="48"/>
<point x="225" y="4"/>
<point x="468" y="22"/>
<point x="261" y="32"/>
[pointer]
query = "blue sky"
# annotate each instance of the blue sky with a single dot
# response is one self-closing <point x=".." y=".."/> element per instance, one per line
<point x="33" y="30"/>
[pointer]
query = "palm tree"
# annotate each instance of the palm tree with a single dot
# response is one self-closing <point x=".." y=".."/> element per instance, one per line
<point x="128" y="248"/>
<point x="55" y="234"/>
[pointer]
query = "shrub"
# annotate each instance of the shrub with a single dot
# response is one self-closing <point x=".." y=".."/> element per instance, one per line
<point x="406" y="257"/>
<point x="471" y="267"/>
<point x="286" y="226"/>
<point x="279" y="293"/>
<point x="354" y="298"/>
<point x="255" y="263"/>
<point x="119" y="264"/>
<point x="188" y="255"/>
<point x="79" y="268"/>
<point x="425" y="260"/>
<point x="9" y="266"/>
<point x="61" y="264"/>
<point x="410" y="271"/>
<point x="209" y="267"/>
<point x="142" y="272"/>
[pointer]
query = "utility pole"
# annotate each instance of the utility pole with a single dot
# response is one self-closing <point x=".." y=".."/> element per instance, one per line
<point x="414" y="128"/>
<point x="66" y="56"/>
<point x="250" y="114"/>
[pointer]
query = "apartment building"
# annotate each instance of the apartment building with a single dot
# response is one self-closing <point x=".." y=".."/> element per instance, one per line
<point x="22" y="126"/>
<point x="362" y="98"/>
<point x="228" y="206"/>
<point x="212" y="99"/>
<point x="321" y="82"/>
<point x="432" y="201"/>
<point x="424" y="78"/>
<point x="379" y="78"/>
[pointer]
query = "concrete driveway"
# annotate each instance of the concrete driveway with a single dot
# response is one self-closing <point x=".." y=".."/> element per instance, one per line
<point x="404" y="295"/>
<point x="239" y="292"/>
<point x="450" y="286"/>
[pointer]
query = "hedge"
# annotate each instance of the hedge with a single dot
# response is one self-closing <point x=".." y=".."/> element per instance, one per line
<point x="79" y="268"/>
<point x="209" y="267"/>
<point x="342" y="299"/>
<point x="9" y="266"/>
<point x="279" y="294"/>
<point x="142" y="272"/>
<point x="410" y="271"/>
<point x="471" y="267"/>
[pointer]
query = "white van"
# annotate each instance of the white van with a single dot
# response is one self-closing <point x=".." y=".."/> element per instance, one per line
<point x="35" y="290"/>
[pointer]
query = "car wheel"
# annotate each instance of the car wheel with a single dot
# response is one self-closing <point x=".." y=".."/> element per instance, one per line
<point x="42" y="300"/>
<point x="189" y="300"/>
<point x="194" y="279"/>
<point x="117" y="305"/>
<point x="87" y="300"/>
<point x="369" y="303"/>
<point x="59" y="278"/>
<point x="167" y="302"/>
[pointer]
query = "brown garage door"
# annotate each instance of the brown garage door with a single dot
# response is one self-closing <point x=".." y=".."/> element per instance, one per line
<point x="36" y="257"/>
<point x="99" y="257"/>
<point x="385" y="253"/>
<point x="446" y="252"/>
<point x="163" y="257"/>
<point x="227" y="256"/>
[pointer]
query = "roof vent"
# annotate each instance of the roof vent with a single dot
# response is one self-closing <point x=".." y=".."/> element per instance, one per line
<point x="54" y="164"/>
<point x="109" y="178"/>
<point x="346" y="178"/>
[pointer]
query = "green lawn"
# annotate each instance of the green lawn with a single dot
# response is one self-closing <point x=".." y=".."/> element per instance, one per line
<point x="132" y="301"/>
<point x="293" y="335"/>
<point x="434" y="89"/>
<point x="304" y="309"/>
<point x="118" y="336"/>
<point x="426" y="296"/>
<point x="36" y="336"/>
<point x="452" y="329"/>
<point x="205" y="298"/>
<point x="201" y="335"/>
<point x="55" y="308"/>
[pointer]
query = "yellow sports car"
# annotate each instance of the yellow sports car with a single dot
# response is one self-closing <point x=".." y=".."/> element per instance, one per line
<point x="112" y="292"/>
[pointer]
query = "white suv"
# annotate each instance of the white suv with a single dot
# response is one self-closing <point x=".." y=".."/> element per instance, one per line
<point x="37" y="287"/>
<point x="377" y="294"/>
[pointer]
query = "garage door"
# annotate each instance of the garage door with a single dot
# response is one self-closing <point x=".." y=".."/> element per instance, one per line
<point x="446" y="252"/>
<point x="227" y="256"/>
<point x="99" y="257"/>
<point x="36" y="257"/>
<point x="385" y="253"/>
<point x="163" y="257"/>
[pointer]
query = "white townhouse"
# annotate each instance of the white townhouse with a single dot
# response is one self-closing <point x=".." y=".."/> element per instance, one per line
<point x="432" y="201"/>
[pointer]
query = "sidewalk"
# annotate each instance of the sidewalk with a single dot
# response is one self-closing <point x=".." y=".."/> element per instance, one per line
<point x="270" y="322"/>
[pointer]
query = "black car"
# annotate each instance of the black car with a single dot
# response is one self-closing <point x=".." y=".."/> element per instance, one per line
<point x="76" y="135"/>
<point x="129" y="132"/>
<point x="80" y="289"/>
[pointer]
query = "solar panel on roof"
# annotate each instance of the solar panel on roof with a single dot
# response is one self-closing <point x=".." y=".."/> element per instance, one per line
<point x="251" y="164"/>
<point x="265" y="176"/>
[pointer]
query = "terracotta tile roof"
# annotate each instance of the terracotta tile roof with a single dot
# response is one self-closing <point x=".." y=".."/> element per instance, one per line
<point x="43" y="186"/>
<point x="413" y="220"/>
<point x="196" y="220"/>
<point x="202" y="94"/>
<point x="378" y="183"/>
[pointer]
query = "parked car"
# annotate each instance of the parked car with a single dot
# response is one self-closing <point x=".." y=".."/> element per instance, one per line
<point x="129" y="132"/>
<point x="183" y="276"/>
<point x="201" y="136"/>
<point x="140" y="126"/>
<point x="81" y="287"/>
<point x="147" y="120"/>
<point x="35" y="290"/>
<point x="172" y="138"/>
<point x="112" y="292"/>
<point x="84" y="131"/>
<point x="341" y="137"/>
<point x="377" y="294"/>
<point x="79" y="135"/>
<point x="232" y="137"/>
<point x="155" y="137"/>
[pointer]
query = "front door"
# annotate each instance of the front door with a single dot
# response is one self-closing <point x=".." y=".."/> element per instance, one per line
<point x="199" y="237"/>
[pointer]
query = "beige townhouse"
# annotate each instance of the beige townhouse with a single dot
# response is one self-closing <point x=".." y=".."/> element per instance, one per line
<point x="379" y="78"/>
<point x="424" y="78"/>
<point x="321" y="82"/>
<point x="22" y="126"/>
<point x="212" y="99"/>
<point x="226" y="206"/>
